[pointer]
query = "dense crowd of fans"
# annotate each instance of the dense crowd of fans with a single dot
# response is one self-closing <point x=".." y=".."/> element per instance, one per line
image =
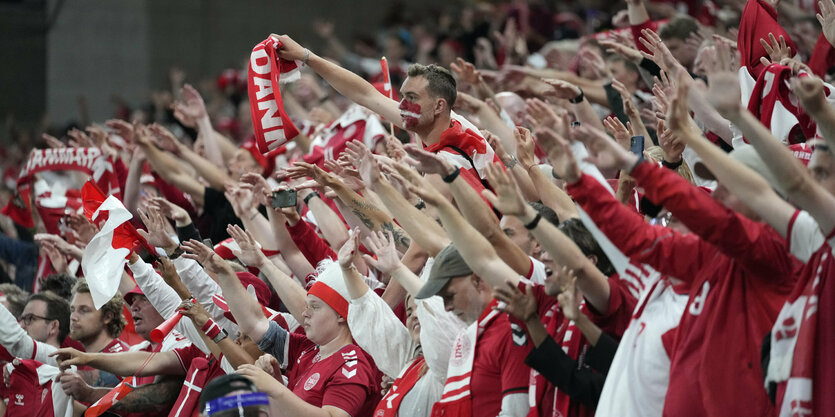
<point x="524" y="210"/>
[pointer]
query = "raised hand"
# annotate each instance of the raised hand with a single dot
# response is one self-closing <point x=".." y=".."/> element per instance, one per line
<point x="827" y="20"/>
<point x="122" y="128"/>
<point x="563" y="89"/>
<point x="384" y="247"/>
<point x="659" y="53"/>
<point x="79" y="139"/>
<point x="83" y="229"/>
<point x="570" y="296"/>
<point x="242" y="199"/>
<point x="505" y="196"/>
<point x="250" y="253"/>
<point x="303" y="169"/>
<point x="627" y="51"/>
<point x="52" y="141"/>
<point x="205" y="256"/>
<point x="349" y="252"/>
<point x="420" y="186"/>
<point x="525" y="147"/>
<point x="604" y="151"/>
<point x="169" y="274"/>
<point x="810" y="92"/>
<point x="165" y="139"/>
<point x="56" y="258"/>
<point x="621" y="133"/>
<point x="723" y="93"/>
<point x="466" y="71"/>
<point x="192" y="106"/>
<point x="195" y="311"/>
<point x="560" y="155"/>
<point x="157" y="233"/>
<point x="429" y="162"/>
<point x="170" y="210"/>
<point x="776" y="49"/>
<point x="59" y="244"/>
<point x="290" y="49"/>
<point x="523" y="306"/>
<point x="678" y="121"/>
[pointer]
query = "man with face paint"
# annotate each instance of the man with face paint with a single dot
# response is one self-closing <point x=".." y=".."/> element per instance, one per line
<point x="429" y="92"/>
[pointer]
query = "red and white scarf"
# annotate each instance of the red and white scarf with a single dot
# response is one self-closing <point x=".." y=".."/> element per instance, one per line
<point x="389" y="406"/>
<point x="793" y="363"/>
<point x="271" y="124"/>
<point x="456" y="400"/>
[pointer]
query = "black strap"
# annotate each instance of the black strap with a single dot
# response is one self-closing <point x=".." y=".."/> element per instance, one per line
<point x="472" y="164"/>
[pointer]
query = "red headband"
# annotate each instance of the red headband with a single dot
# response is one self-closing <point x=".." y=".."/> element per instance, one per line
<point x="330" y="297"/>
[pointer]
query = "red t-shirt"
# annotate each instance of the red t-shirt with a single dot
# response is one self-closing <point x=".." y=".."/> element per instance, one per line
<point x="346" y="379"/>
<point x="187" y="354"/>
<point x="498" y="368"/>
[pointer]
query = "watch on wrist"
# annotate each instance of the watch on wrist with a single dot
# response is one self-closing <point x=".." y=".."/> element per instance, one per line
<point x="220" y="336"/>
<point x="512" y="162"/>
<point x="579" y="99"/>
<point x="176" y="254"/>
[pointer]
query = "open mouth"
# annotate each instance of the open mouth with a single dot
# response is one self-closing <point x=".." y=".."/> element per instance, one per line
<point x="404" y="114"/>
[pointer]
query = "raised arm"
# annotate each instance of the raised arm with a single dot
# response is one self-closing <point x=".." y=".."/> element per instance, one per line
<point x="209" y="332"/>
<point x="167" y="165"/>
<point x="244" y="308"/>
<point x="290" y="291"/>
<point x="473" y="247"/>
<point x="345" y="82"/>
<point x="474" y="209"/>
<point x="420" y="227"/>
<point x="347" y="257"/>
<point x="122" y="363"/>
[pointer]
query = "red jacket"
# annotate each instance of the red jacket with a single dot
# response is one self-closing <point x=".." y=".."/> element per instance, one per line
<point x="740" y="273"/>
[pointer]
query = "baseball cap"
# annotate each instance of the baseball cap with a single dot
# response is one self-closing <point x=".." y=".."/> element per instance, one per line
<point x="748" y="156"/>
<point x="448" y="264"/>
<point x="132" y="293"/>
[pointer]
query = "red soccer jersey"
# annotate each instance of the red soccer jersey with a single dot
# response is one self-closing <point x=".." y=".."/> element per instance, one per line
<point x="740" y="273"/>
<point x="347" y="379"/>
<point x="498" y="368"/>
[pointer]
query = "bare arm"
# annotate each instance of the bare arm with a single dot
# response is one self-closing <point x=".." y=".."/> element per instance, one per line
<point x="232" y="351"/>
<point x="169" y="167"/>
<point x="345" y="82"/>
<point x="123" y="363"/>
<point x="151" y="398"/>
<point x="297" y="262"/>
<point x="333" y="230"/>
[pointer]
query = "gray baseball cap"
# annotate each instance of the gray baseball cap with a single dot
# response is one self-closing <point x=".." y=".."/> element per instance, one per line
<point x="448" y="264"/>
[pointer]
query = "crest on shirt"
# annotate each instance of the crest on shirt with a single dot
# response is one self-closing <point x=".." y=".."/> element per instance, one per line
<point x="461" y="350"/>
<point x="520" y="338"/>
<point x="311" y="382"/>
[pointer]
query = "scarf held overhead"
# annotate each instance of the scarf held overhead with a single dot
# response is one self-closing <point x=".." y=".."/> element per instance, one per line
<point x="270" y="122"/>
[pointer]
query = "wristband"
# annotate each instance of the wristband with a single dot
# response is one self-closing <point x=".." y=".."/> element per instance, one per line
<point x="211" y="329"/>
<point x="532" y="225"/>
<point x="579" y="99"/>
<point x="306" y="56"/>
<point x="451" y="177"/>
<point x="672" y="165"/>
<point x="309" y="196"/>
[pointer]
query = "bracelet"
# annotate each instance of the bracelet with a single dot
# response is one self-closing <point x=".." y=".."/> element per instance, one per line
<point x="532" y="225"/>
<point x="420" y="204"/>
<point x="211" y="329"/>
<point x="672" y="165"/>
<point x="579" y="99"/>
<point x="220" y="336"/>
<point x="309" y="196"/>
<point x="451" y="177"/>
<point x="306" y="56"/>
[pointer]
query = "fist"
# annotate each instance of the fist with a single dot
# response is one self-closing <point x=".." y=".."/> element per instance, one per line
<point x="74" y="386"/>
<point x="289" y="49"/>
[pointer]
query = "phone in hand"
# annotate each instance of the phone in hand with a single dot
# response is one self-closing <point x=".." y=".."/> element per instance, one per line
<point x="284" y="198"/>
<point x="636" y="145"/>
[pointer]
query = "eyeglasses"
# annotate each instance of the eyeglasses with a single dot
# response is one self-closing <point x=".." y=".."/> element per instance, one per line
<point x="27" y="318"/>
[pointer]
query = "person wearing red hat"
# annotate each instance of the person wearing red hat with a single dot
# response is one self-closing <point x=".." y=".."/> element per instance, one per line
<point x="325" y="370"/>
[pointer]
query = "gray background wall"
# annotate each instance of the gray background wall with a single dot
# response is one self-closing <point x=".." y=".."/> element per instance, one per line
<point x="98" y="48"/>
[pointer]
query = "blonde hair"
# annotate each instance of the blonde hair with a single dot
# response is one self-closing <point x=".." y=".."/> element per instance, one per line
<point x="657" y="154"/>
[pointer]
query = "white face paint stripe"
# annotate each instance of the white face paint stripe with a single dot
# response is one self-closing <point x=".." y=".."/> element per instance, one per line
<point x="404" y="113"/>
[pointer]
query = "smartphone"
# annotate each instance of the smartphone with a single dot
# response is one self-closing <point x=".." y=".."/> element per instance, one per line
<point x="636" y="145"/>
<point x="284" y="198"/>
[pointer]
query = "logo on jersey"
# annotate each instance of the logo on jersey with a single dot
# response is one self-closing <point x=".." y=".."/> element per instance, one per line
<point x="311" y="382"/>
<point x="520" y="338"/>
<point x="18" y="399"/>
<point x="351" y="360"/>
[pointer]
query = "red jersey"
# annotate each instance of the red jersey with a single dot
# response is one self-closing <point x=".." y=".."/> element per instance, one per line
<point x="347" y="379"/>
<point x="199" y="368"/>
<point x="740" y="273"/>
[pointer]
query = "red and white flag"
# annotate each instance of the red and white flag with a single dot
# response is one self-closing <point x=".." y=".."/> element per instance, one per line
<point x="112" y="397"/>
<point x="105" y="256"/>
<point x="384" y="65"/>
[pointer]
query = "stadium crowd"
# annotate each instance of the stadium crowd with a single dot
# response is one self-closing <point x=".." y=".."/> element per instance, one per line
<point x="525" y="209"/>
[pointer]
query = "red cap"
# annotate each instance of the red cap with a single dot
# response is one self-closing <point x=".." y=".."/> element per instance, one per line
<point x="130" y="294"/>
<point x="267" y="164"/>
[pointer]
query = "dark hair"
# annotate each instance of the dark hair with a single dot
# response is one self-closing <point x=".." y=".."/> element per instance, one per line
<point x="546" y="212"/>
<point x="57" y="308"/>
<point x="59" y="284"/>
<point x="679" y="27"/>
<point x="16" y="298"/>
<point x="222" y="386"/>
<point x="576" y="231"/>
<point x="113" y="307"/>
<point x="440" y="81"/>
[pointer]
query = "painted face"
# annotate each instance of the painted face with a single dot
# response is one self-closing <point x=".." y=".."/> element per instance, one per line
<point x="321" y="322"/>
<point x="145" y="316"/>
<point x="463" y="299"/>
<point x="410" y="112"/>
<point x="37" y="327"/>
<point x="86" y="323"/>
